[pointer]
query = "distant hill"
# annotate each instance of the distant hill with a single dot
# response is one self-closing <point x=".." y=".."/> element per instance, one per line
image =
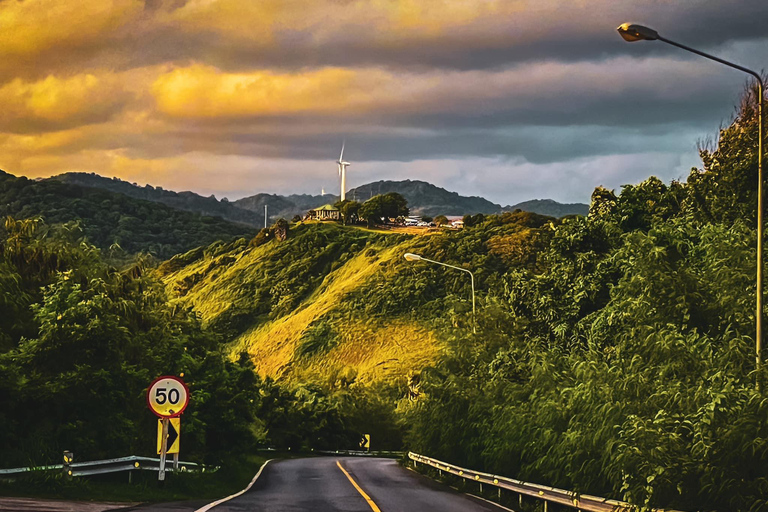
<point x="423" y="199"/>
<point x="550" y="207"/>
<point x="188" y="201"/>
<point x="426" y="199"/>
<point x="283" y="206"/>
<point x="108" y="217"/>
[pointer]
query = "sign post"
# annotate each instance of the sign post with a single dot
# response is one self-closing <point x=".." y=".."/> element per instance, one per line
<point x="167" y="397"/>
<point x="163" y="448"/>
<point x="365" y="442"/>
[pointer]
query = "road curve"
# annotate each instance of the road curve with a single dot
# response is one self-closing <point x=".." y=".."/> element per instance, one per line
<point x="319" y="485"/>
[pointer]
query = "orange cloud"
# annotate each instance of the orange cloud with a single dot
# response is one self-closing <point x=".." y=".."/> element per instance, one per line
<point x="205" y="92"/>
<point x="55" y="102"/>
<point x="323" y="18"/>
<point x="33" y="25"/>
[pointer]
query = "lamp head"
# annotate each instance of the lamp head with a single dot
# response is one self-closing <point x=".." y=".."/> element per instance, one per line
<point x="631" y="32"/>
<point x="412" y="257"/>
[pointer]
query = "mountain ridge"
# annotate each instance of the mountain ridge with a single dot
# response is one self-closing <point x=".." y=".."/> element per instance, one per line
<point x="424" y="199"/>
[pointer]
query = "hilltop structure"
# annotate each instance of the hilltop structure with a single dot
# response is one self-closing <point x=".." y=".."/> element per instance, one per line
<point x="325" y="212"/>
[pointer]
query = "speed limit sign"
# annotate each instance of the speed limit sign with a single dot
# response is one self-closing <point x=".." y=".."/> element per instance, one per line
<point x="167" y="396"/>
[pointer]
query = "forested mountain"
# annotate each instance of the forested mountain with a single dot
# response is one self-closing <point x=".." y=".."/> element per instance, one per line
<point x="108" y="218"/>
<point x="188" y="201"/>
<point x="550" y="207"/>
<point x="426" y="199"/>
<point x="278" y="206"/>
<point x="423" y="199"/>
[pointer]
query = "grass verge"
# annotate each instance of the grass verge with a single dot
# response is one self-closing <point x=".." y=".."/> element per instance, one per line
<point x="144" y="487"/>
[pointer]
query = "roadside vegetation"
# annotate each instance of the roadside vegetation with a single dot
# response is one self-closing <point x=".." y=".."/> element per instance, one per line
<point x="618" y="358"/>
<point x="143" y="488"/>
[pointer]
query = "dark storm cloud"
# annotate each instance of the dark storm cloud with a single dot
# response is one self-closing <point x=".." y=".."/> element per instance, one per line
<point x="560" y="32"/>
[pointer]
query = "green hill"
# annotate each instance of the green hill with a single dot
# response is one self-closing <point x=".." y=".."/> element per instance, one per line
<point x="333" y="300"/>
<point x="426" y="199"/>
<point x="109" y="217"/>
<point x="188" y="201"/>
<point x="550" y="207"/>
<point x="423" y="199"/>
<point x="277" y="206"/>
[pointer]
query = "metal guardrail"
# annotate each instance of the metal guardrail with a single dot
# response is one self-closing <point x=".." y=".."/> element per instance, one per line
<point x="582" y="502"/>
<point x="97" y="467"/>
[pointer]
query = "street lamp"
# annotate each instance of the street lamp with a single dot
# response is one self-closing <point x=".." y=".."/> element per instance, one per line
<point x="631" y="32"/>
<point x="415" y="257"/>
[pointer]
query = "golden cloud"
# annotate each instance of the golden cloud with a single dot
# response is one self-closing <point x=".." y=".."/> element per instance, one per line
<point x="55" y="102"/>
<point x="206" y="92"/>
<point x="259" y="20"/>
<point x="33" y="25"/>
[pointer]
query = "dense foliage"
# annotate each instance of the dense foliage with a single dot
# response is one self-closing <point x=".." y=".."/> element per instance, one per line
<point x="622" y="361"/>
<point x="80" y="341"/>
<point x="188" y="201"/>
<point x="110" y="218"/>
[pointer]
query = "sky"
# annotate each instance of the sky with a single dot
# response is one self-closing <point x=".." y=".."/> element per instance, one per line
<point x="510" y="100"/>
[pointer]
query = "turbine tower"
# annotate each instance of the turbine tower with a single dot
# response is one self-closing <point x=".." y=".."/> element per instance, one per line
<point x="343" y="172"/>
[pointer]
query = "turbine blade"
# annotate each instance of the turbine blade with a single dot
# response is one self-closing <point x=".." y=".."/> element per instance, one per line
<point x="341" y="157"/>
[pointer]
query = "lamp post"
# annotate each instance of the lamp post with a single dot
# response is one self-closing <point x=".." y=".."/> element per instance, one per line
<point x="631" y="32"/>
<point x="415" y="257"/>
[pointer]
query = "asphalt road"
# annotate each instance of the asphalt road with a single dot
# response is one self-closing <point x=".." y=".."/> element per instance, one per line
<point x="319" y="485"/>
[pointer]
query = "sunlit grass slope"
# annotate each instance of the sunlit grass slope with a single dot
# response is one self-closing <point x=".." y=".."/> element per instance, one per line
<point x="296" y="306"/>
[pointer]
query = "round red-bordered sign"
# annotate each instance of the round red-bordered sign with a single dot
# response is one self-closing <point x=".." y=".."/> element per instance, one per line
<point x="167" y="396"/>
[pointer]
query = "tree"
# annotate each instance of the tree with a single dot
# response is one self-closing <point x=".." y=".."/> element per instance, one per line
<point x="426" y="219"/>
<point x="349" y="210"/>
<point x="473" y="220"/>
<point x="371" y="211"/>
<point x="441" y="220"/>
<point x="391" y="205"/>
<point x="394" y="205"/>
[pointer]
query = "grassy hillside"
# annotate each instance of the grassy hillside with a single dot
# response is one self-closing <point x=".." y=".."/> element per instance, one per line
<point x="287" y="304"/>
<point x="333" y="303"/>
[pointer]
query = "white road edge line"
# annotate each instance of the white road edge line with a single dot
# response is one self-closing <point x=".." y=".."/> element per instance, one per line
<point x="209" y="506"/>
<point x="466" y="493"/>
<point x="491" y="502"/>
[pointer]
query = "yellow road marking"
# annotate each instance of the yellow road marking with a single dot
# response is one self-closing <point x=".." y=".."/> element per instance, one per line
<point x="371" y="504"/>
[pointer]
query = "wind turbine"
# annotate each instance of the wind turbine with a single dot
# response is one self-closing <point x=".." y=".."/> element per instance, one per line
<point x="343" y="172"/>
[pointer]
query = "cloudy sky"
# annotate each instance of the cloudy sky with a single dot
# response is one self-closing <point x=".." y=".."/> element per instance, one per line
<point x="511" y="100"/>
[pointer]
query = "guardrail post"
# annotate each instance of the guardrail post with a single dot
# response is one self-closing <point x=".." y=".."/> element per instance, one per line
<point x="68" y="458"/>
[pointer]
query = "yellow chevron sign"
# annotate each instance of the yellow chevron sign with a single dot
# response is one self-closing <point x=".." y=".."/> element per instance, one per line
<point x="174" y="434"/>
